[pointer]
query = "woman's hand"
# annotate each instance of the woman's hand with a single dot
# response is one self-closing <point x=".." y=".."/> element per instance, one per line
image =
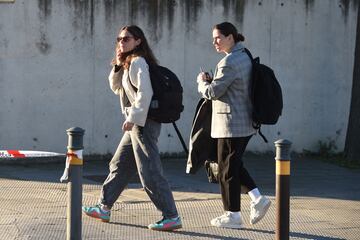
<point x="127" y="126"/>
<point x="118" y="56"/>
<point x="203" y="76"/>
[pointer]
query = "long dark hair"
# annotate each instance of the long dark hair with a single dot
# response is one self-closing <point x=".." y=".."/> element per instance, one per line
<point x="227" y="28"/>
<point x="142" y="50"/>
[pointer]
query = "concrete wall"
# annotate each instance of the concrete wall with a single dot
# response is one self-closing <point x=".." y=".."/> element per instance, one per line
<point x="55" y="55"/>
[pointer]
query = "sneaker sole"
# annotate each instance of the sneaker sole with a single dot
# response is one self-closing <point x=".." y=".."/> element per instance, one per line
<point x="237" y="226"/>
<point x="266" y="208"/>
<point x="167" y="229"/>
<point x="102" y="220"/>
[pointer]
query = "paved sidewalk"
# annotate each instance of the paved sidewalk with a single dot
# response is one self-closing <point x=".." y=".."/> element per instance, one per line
<point x="325" y="203"/>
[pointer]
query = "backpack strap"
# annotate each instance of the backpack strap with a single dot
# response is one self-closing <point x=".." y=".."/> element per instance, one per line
<point x="262" y="135"/>
<point x="257" y="126"/>
<point x="249" y="54"/>
<point x="181" y="138"/>
<point x="132" y="85"/>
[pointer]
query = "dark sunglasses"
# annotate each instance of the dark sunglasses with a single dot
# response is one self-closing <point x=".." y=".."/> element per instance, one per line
<point x="124" y="39"/>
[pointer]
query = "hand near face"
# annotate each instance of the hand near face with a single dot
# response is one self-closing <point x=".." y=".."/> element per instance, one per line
<point x="118" y="56"/>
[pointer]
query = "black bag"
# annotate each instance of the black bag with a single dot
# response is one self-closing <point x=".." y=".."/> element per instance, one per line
<point x="166" y="103"/>
<point x="212" y="172"/>
<point x="266" y="95"/>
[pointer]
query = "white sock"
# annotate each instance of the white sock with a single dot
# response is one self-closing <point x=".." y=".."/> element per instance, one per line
<point x="235" y="214"/>
<point x="254" y="194"/>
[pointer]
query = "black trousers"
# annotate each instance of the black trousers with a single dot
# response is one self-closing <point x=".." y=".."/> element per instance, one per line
<point x="232" y="172"/>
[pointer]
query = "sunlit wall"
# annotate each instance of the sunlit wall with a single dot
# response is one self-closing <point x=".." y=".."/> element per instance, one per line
<point x="55" y="59"/>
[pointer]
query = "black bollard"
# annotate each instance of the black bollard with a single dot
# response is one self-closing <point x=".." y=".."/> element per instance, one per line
<point x="282" y="189"/>
<point x="73" y="176"/>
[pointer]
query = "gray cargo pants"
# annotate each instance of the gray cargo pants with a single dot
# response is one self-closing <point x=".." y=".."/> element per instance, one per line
<point x="138" y="151"/>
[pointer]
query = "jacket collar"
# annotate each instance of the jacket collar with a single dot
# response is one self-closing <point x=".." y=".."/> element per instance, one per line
<point x="237" y="47"/>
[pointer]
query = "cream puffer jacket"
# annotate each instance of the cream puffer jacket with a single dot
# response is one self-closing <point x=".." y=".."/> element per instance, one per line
<point x="135" y="91"/>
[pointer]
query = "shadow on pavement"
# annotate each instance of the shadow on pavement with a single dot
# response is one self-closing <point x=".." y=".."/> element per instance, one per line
<point x="213" y="236"/>
<point x="309" y="177"/>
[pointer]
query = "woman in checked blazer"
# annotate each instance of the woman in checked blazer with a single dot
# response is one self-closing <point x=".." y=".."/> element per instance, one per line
<point x="231" y="125"/>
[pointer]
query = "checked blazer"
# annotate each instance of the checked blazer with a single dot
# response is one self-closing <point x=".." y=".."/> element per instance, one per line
<point x="229" y="91"/>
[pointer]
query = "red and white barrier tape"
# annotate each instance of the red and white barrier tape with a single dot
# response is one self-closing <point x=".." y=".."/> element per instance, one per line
<point x="27" y="154"/>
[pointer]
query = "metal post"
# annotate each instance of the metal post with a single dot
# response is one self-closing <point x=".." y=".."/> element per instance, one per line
<point x="73" y="176"/>
<point x="282" y="189"/>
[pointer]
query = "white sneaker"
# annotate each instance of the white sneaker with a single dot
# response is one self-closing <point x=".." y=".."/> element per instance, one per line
<point x="258" y="209"/>
<point x="227" y="220"/>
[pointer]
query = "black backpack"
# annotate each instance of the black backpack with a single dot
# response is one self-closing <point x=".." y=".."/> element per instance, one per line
<point x="166" y="103"/>
<point x="266" y="95"/>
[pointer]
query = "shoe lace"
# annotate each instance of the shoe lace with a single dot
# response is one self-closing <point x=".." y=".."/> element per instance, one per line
<point x="99" y="205"/>
<point x="171" y="219"/>
<point x="226" y="214"/>
<point x="160" y="221"/>
<point x="252" y="208"/>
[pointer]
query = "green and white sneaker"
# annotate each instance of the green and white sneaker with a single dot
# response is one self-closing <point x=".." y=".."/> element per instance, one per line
<point x="97" y="212"/>
<point x="166" y="224"/>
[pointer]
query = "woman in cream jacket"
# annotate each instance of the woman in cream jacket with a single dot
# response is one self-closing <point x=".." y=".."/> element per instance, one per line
<point x="137" y="151"/>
